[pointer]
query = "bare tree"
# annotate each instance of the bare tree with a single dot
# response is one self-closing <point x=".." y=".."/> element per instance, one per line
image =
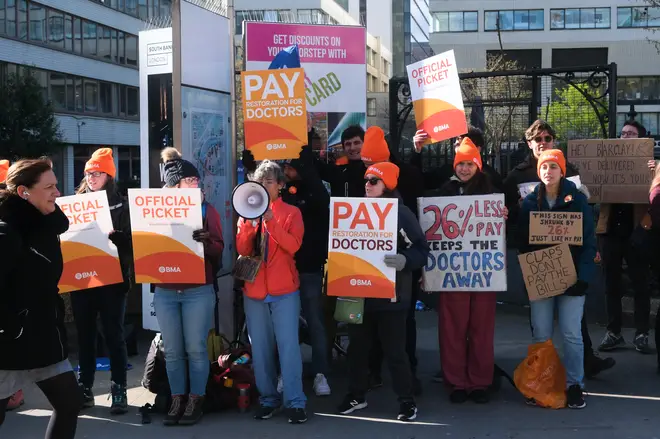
<point x="654" y="41"/>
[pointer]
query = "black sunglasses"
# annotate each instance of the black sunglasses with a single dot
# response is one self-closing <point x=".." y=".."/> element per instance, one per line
<point x="546" y="139"/>
<point x="372" y="181"/>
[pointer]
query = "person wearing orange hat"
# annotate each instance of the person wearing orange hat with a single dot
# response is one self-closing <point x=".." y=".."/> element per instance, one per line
<point x="4" y="167"/>
<point x="557" y="194"/>
<point x="108" y="301"/>
<point x="382" y="316"/>
<point x="466" y="320"/>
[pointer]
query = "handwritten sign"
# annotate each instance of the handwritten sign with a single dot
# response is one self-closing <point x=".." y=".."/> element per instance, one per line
<point x="555" y="228"/>
<point x="466" y="236"/>
<point x="614" y="170"/>
<point x="548" y="272"/>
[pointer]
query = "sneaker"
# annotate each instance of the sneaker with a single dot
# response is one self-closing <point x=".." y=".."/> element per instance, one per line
<point x="480" y="396"/>
<point x="375" y="381"/>
<point x="15" y="401"/>
<point x="321" y="387"/>
<point x="87" y="397"/>
<point x="297" y="416"/>
<point x="264" y="412"/>
<point x="458" y="396"/>
<point x="280" y="385"/>
<point x="611" y="341"/>
<point x="119" y="400"/>
<point x="351" y="404"/>
<point x="574" y="397"/>
<point x="438" y="377"/>
<point x="641" y="343"/>
<point x="177" y="407"/>
<point x="593" y="364"/>
<point x="407" y="411"/>
<point x="193" y="412"/>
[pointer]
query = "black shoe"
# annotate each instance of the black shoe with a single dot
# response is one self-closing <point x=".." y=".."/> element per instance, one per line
<point x="594" y="365"/>
<point x="264" y="412"/>
<point x="417" y="386"/>
<point x="297" y="416"/>
<point x="574" y="397"/>
<point x="407" y="411"/>
<point x="119" y="400"/>
<point x="87" y="397"/>
<point x="351" y="404"/>
<point x="611" y="341"/>
<point x="177" y="407"/>
<point x="458" y="396"/>
<point x="480" y="396"/>
<point x="194" y="411"/>
<point x="641" y="343"/>
<point x="375" y="381"/>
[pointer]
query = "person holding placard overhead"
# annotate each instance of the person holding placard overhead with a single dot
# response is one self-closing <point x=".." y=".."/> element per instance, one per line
<point x="557" y="194"/>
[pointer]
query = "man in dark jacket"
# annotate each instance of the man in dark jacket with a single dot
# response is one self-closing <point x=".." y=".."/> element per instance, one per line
<point x="540" y="137"/>
<point x="346" y="175"/>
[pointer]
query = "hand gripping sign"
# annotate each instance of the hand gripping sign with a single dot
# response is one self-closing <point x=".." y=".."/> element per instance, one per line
<point x="274" y="113"/>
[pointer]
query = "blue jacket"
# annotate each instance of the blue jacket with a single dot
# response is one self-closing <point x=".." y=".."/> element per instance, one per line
<point x="570" y="199"/>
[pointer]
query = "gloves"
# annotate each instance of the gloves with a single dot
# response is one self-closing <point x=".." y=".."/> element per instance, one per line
<point x="202" y="236"/>
<point x="397" y="261"/>
<point x="118" y="238"/>
<point x="579" y="289"/>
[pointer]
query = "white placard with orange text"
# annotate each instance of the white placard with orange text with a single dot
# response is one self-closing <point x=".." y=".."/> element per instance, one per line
<point x="362" y="232"/>
<point x="90" y="258"/>
<point x="163" y="222"/>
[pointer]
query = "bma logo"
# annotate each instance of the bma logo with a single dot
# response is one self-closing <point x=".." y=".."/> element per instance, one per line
<point x="86" y="275"/>
<point x="272" y="146"/>
<point x="440" y="128"/>
<point x="360" y="283"/>
<point x="169" y="270"/>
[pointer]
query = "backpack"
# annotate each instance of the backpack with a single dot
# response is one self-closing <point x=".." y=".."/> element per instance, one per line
<point x="154" y="378"/>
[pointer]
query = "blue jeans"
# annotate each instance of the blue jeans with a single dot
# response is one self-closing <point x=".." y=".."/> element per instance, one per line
<point x="185" y="319"/>
<point x="569" y="310"/>
<point x="311" y="296"/>
<point x="274" y="326"/>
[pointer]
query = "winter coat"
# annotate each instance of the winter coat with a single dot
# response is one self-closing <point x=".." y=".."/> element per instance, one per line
<point x="344" y="180"/>
<point x="437" y="177"/>
<point x="32" y="333"/>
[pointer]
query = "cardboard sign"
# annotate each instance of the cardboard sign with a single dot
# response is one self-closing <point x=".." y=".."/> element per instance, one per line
<point x="163" y="222"/>
<point x="555" y="228"/>
<point x="362" y="232"/>
<point x="614" y="170"/>
<point x="90" y="258"/>
<point x="274" y="112"/>
<point x="527" y="188"/>
<point x="467" y="239"/>
<point x="548" y="272"/>
<point x="437" y="99"/>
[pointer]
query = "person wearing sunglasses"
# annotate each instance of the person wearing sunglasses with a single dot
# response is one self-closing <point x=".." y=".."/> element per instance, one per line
<point x="540" y="136"/>
<point x="383" y="317"/>
<point x="108" y="302"/>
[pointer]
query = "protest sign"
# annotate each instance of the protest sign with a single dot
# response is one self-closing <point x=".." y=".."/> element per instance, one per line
<point x="548" y="272"/>
<point x="555" y="228"/>
<point x="527" y="188"/>
<point x="274" y="114"/>
<point x="90" y="259"/>
<point x="362" y="232"/>
<point x="436" y="94"/>
<point x="163" y="222"/>
<point x="614" y="170"/>
<point x="466" y="236"/>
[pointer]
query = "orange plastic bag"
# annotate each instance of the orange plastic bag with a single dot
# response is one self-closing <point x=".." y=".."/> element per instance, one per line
<point x="542" y="376"/>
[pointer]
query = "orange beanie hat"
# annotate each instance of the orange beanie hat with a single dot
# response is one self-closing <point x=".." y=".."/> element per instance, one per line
<point x="386" y="171"/>
<point x="468" y="152"/>
<point x="552" y="155"/>
<point x="102" y="161"/>
<point x="4" y="167"/>
<point x="375" y="147"/>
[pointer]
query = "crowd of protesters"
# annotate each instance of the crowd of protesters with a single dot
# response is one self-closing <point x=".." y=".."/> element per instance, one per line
<point x="292" y="238"/>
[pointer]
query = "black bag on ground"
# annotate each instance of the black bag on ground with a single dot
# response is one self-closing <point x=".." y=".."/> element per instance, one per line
<point x="155" y="375"/>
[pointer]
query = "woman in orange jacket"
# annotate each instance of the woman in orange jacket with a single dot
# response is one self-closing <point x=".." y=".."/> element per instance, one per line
<point x="272" y="300"/>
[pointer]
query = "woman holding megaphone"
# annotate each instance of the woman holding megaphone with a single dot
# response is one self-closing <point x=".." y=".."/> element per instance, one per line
<point x="272" y="297"/>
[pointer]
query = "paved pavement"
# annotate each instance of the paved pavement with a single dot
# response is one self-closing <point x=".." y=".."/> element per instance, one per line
<point x="625" y="404"/>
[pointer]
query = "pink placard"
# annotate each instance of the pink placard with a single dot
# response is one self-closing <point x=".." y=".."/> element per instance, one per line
<point x="316" y="43"/>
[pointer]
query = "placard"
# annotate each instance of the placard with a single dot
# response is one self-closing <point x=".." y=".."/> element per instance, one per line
<point x="527" y="188"/>
<point x="90" y="259"/>
<point x="555" y="228"/>
<point x="163" y="222"/>
<point x="435" y="90"/>
<point x="614" y="170"/>
<point x="274" y="113"/>
<point x="548" y="272"/>
<point x="362" y="232"/>
<point x="467" y="238"/>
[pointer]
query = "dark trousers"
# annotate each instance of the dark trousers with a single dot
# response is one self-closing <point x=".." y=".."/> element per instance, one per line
<point x="391" y="329"/>
<point x="615" y="250"/>
<point x="110" y="303"/>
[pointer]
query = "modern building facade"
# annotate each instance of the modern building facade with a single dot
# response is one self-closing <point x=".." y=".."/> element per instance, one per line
<point x="560" y="34"/>
<point x="411" y="25"/>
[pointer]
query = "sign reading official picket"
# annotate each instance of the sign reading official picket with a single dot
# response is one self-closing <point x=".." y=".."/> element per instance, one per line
<point x="362" y="232"/>
<point x="90" y="259"/>
<point x="274" y="113"/>
<point x="163" y="222"/>
<point x="467" y="240"/>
